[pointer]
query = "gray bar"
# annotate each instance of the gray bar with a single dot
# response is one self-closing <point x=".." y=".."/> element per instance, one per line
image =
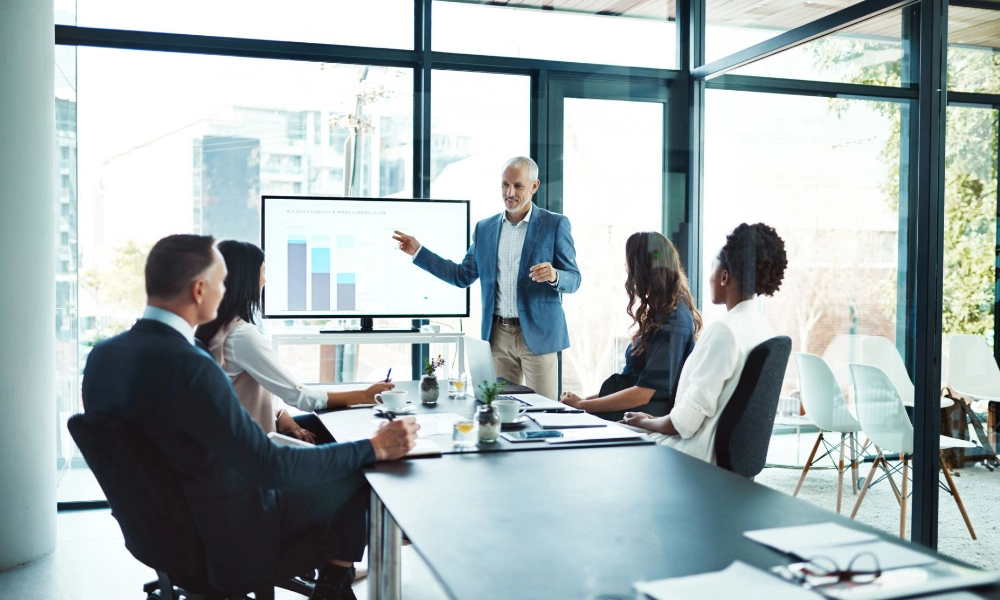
<point x="321" y="291"/>
<point x="346" y="298"/>
<point x="296" y="276"/>
<point x="375" y="517"/>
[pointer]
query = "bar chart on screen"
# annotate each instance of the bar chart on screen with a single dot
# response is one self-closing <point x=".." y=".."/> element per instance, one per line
<point x="336" y="257"/>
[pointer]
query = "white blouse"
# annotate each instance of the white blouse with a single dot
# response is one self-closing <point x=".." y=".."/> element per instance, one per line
<point x="247" y="350"/>
<point x="710" y="376"/>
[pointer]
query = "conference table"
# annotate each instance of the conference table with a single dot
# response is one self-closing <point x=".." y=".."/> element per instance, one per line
<point x="580" y="523"/>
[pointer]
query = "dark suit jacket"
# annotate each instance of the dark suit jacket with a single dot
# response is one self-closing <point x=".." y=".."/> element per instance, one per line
<point x="178" y="397"/>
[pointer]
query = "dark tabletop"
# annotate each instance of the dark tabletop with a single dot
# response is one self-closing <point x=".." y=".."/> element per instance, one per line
<point x="578" y="524"/>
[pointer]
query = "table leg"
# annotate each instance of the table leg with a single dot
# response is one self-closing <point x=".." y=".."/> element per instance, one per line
<point x="392" y="542"/>
<point x="384" y="544"/>
<point x="376" y="518"/>
<point x="460" y="348"/>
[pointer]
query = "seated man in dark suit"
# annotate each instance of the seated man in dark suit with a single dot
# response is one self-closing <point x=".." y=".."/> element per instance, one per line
<point x="246" y="494"/>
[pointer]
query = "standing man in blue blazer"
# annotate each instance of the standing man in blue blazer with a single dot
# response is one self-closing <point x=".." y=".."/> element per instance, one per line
<point x="525" y="258"/>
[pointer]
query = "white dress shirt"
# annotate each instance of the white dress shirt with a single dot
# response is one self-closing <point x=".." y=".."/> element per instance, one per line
<point x="710" y="376"/>
<point x="247" y="350"/>
<point x="509" y="251"/>
<point x="171" y="319"/>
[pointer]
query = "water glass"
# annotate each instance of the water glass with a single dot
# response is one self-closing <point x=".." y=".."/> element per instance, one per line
<point x="456" y="386"/>
<point x="464" y="434"/>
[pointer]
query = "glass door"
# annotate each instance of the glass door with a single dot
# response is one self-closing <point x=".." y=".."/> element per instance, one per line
<point x="607" y="166"/>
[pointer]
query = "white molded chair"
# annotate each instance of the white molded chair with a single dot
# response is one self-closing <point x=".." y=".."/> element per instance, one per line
<point x="843" y="350"/>
<point x="973" y="373"/>
<point x="881" y="353"/>
<point x="825" y="406"/>
<point x="884" y="421"/>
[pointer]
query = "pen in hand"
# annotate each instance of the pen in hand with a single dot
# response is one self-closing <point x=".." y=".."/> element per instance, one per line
<point x="388" y="374"/>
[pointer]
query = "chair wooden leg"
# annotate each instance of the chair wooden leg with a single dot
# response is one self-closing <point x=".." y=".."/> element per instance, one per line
<point x="868" y="482"/>
<point x="902" y="506"/>
<point x="840" y="473"/>
<point x="854" y="462"/>
<point x="958" y="499"/>
<point x="805" y="469"/>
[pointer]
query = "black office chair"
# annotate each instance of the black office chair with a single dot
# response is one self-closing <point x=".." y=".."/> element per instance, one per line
<point x="146" y="498"/>
<point x="745" y="423"/>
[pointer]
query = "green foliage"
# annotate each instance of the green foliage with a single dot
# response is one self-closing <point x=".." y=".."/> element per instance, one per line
<point x="970" y="172"/>
<point x="123" y="285"/>
<point x="433" y="364"/>
<point x="491" y="391"/>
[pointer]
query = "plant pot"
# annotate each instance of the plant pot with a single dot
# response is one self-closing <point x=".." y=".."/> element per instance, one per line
<point x="429" y="389"/>
<point x="489" y="423"/>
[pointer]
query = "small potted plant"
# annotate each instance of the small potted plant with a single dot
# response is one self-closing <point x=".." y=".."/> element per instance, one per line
<point x="429" y="388"/>
<point x="487" y="415"/>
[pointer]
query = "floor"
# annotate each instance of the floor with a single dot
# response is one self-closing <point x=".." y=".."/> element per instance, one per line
<point x="91" y="561"/>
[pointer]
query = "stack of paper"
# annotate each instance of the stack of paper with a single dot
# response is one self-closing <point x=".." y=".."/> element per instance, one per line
<point x="738" y="580"/>
<point x="839" y="544"/>
<point x="609" y="433"/>
<point x="567" y="421"/>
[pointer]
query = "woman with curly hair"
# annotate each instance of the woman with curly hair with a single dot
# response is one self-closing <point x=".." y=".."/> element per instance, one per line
<point x="666" y="325"/>
<point x="752" y="263"/>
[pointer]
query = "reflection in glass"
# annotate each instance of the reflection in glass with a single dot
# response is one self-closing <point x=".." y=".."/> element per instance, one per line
<point x="973" y="43"/>
<point x="640" y="34"/>
<point x="379" y="23"/>
<point x="613" y="187"/>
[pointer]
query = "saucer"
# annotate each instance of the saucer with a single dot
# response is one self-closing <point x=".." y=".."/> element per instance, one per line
<point x="380" y="409"/>
<point x="515" y="424"/>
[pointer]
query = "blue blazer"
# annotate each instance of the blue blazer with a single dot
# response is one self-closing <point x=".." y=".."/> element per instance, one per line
<point x="539" y="305"/>
<point x="176" y="395"/>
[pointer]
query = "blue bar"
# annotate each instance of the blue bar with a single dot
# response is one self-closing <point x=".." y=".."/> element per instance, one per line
<point x="345" y="278"/>
<point x="320" y="260"/>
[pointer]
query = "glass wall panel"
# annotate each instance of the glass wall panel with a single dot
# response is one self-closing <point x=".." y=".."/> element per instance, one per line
<point x="612" y="187"/>
<point x="478" y="122"/>
<point x="172" y="147"/>
<point x="733" y="25"/>
<point x="380" y="23"/>
<point x="968" y="318"/>
<point x="974" y="49"/>
<point x="640" y="34"/>
<point x="824" y="173"/>
<point x="869" y="52"/>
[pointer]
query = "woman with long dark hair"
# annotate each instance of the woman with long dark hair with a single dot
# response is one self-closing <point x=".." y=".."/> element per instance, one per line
<point x="248" y="358"/>
<point x="752" y="263"/>
<point x="666" y="325"/>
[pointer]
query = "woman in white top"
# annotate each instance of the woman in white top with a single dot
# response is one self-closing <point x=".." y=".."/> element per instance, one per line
<point x="248" y="358"/>
<point x="751" y="263"/>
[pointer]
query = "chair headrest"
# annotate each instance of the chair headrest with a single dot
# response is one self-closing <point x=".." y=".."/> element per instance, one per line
<point x="144" y="493"/>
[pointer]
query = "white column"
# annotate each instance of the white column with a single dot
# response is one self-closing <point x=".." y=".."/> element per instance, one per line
<point x="27" y="282"/>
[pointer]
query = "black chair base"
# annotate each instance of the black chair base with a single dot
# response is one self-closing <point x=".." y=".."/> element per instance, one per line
<point x="166" y="589"/>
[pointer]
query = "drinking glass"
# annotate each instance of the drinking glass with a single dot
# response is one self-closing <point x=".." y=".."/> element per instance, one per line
<point x="456" y="386"/>
<point x="464" y="434"/>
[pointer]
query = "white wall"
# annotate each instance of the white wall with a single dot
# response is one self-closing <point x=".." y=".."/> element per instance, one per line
<point x="27" y="273"/>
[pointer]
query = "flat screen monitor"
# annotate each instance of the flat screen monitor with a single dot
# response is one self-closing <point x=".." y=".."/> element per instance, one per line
<point x="333" y="258"/>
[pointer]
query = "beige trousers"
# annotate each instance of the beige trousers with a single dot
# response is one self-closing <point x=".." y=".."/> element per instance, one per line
<point x="514" y="362"/>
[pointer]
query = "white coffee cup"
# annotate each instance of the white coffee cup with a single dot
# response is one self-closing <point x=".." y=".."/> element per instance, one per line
<point x="509" y="410"/>
<point x="392" y="399"/>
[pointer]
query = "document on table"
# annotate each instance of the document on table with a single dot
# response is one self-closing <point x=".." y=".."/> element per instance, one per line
<point x="738" y="580"/>
<point x="839" y="544"/>
<point x="567" y="421"/>
<point x="609" y="433"/>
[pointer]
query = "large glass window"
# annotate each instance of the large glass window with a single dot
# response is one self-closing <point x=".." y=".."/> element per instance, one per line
<point x="733" y="26"/>
<point x="380" y="23"/>
<point x="478" y="122"/>
<point x="869" y="52"/>
<point x="973" y="44"/>
<point x="825" y="174"/>
<point x="640" y="34"/>
<point x="612" y="187"/>
<point x="172" y="147"/>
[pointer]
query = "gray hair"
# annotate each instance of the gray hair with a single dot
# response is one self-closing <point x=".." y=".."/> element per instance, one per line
<point x="521" y="162"/>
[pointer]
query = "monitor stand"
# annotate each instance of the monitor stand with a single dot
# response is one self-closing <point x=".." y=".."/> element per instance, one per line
<point x="368" y="326"/>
